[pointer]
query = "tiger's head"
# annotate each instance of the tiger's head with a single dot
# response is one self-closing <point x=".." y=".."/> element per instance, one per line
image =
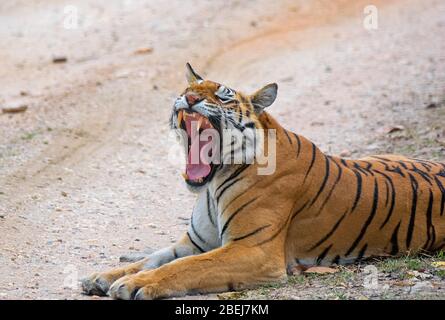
<point x="217" y="126"/>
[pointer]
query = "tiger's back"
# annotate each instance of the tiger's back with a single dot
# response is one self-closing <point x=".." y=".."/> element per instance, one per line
<point x="355" y="209"/>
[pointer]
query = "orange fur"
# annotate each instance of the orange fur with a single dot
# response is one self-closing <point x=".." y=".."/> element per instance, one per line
<point x="315" y="209"/>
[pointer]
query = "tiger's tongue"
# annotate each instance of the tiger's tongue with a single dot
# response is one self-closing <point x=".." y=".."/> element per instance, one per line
<point x="196" y="168"/>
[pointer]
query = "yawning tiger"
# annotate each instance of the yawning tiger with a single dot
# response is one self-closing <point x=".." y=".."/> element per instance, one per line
<point x="314" y="209"/>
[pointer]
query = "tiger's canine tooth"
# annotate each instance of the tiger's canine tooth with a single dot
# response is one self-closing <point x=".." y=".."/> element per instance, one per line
<point x="201" y="119"/>
<point x="185" y="176"/>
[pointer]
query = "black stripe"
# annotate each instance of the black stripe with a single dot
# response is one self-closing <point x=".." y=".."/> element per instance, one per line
<point x="387" y="193"/>
<point x="327" y="236"/>
<point x="403" y="165"/>
<point x="368" y="168"/>
<point x="252" y="233"/>
<point x="343" y="161"/>
<point x="227" y="187"/>
<point x="175" y="254"/>
<point x="429" y="220"/>
<point x="240" y="115"/>
<point x="314" y="154"/>
<point x="194" y="243"/>
<point x="336" y="260"/>
<point x="333" y="187"/>
<point x="362" y="252"/>
<point x="323" y="254"/>
<point x="393" y="198"/>
<point x="250" y="125"/>
<point x="442" y="190"/>
<point x="368" y="221"/>
<point x="425" y="165"/>
<point x="209" y="211"/>
<point x="414" y="186"/>
<point x="282" y="227"/>
<point x="224" y="228"/>
<point x="323" y="184"/>
<point x="424" y="175"/>
<point x="287" y="135"/>
<point x="396" y="170"/>
<point x="299" y="210"/>
<point x="232" y="200"/>
<point x="394" y="241"/>
<point x="298" y="143"/>
<point x="359" y="168"/>
<point x="359" y="190"/>
<point x="235" y="174"/>
<point x="195" y="232"/>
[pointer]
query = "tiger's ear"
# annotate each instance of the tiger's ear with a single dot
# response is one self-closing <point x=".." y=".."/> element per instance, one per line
<point x="191" y="75"/>
<point x="264" y="97"/>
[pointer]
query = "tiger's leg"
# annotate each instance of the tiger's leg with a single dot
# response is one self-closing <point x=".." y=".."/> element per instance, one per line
<point x="233" y="266"/>
<point x="99" y="283"/>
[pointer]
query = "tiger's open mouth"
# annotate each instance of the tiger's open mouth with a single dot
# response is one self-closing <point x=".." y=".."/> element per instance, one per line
<point x="199" y="170"/>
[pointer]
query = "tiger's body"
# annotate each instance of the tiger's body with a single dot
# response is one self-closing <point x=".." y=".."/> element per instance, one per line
<point x="247" y="229"/>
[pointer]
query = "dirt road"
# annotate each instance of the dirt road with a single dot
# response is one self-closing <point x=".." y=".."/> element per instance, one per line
<point x="84" y="172"/>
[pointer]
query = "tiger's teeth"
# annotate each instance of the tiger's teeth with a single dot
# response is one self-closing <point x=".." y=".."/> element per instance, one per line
<point x="200" y="180"/>
<point x="185" y="176"/>
<point x="201" y="119"/>
<point x="179" y="118"/>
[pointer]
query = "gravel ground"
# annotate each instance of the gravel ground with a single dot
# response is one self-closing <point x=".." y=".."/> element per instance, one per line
<point x="85" y="174"/>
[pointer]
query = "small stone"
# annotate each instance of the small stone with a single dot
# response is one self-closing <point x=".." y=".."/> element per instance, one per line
<point x="345" y="153"/>
<point x="432" y="106"/>
<point x="60" y="59"/>
<point x="63" y="193"/>
<point x="20" y="107"/>
<point x="146" y="50"/>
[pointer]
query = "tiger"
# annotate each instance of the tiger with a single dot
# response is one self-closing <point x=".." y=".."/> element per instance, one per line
<point x="315" y="209"/>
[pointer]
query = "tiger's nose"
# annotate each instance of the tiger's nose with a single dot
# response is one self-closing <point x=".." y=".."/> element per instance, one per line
<point x="192" y="99"/>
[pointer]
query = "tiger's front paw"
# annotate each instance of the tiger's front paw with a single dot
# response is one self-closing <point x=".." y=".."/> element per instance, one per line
<point x="135" y="287"/>
<point x="96" y="284"/>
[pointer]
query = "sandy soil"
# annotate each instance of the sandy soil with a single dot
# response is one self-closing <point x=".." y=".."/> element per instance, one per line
<point x="84" y="172"/>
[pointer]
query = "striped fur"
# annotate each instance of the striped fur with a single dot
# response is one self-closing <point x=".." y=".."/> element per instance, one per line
<point x="316" y="209"/>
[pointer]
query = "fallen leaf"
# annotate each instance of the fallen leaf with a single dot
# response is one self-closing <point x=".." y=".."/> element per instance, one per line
<point x="146" y="50"/>
<point x="395" y="129"/>
<point x="321" y="270"/>
<point x="439" y="264"/>
<point x="296" y="270"/>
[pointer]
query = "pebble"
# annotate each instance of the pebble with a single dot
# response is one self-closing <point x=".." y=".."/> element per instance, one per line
<point x="16" y="107"/>
<point x="345" y="153"/>
<point x="60" y="59"/>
